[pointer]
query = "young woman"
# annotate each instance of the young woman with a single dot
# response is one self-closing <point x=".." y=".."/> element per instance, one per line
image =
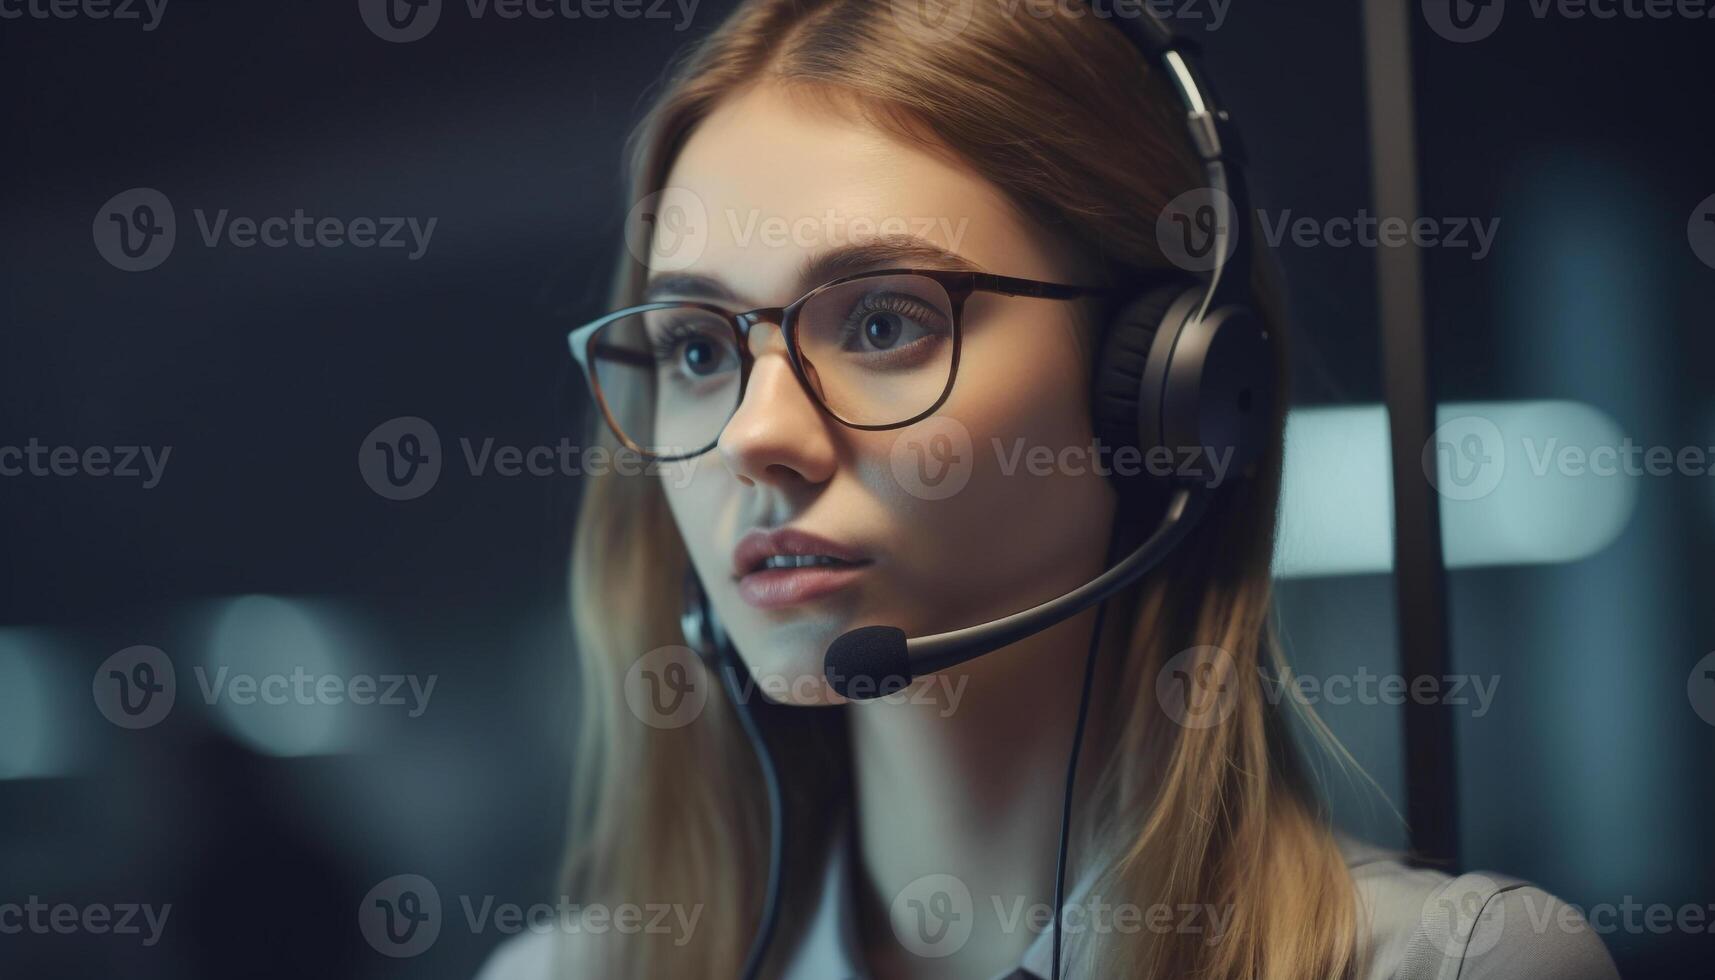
<point x="867" y="468"/>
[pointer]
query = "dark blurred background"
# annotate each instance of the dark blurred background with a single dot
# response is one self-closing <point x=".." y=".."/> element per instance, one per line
<point x="263" y="547"/>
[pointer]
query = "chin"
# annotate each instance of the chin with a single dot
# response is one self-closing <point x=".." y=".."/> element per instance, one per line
<point x="786" y="672"/>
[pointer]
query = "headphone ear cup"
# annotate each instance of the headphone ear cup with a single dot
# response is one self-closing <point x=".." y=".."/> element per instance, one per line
<point x="1117" y="386"/>
<point x="699" y="624"/>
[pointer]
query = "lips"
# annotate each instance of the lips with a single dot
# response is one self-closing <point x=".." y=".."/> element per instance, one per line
<point x="784" y="566"/>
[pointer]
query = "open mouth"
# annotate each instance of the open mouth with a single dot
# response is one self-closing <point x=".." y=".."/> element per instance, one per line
<point x="788" y="580"/>
<point x="803" y="561"/>
<point x="785" y="566"/>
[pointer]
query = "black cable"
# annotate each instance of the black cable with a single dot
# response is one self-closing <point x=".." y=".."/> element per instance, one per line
<point x="764" y="935"/>
<point x="1072" y="771"/>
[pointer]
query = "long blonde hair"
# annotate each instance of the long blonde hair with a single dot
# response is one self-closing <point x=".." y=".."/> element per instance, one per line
<point x="1062" y="114"/>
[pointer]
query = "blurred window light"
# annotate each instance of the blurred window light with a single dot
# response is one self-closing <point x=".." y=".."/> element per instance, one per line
<point x="1521" y="483"/>
<point x="35" y="730"/>
<point x="277" y="673"/>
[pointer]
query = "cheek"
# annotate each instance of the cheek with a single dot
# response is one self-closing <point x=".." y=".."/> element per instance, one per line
<point x="1031" y="381"/>
<point x="698" y="502"/>
<point x="1031" y="511"/>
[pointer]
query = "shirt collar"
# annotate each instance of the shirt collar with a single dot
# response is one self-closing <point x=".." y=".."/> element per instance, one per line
<point x="830" y="949"/>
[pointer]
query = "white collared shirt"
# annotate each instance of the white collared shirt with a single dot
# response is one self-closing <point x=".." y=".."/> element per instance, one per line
<point x="1522" y="931"/>
<point x="1397" y="900"/>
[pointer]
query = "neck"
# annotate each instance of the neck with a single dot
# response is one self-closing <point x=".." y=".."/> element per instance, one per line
<point x="963" y="775"/>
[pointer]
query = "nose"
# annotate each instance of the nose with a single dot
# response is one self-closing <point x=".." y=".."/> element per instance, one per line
<point x="778" y="437"/>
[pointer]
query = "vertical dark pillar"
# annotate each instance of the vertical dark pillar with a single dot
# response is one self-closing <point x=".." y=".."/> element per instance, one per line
<point x="1419" y="573"/>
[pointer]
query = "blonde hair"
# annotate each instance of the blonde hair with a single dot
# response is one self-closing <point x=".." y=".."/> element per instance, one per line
<point x="1062" y="114"/>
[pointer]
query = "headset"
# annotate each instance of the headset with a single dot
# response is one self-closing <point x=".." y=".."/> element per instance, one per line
<point x="1180" y="366"/>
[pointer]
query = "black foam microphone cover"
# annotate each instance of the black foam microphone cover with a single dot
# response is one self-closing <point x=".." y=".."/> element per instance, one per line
<point x="868" y="662"/>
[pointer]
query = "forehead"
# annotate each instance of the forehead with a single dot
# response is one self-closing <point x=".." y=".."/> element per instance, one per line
<point x="774" y="180"/>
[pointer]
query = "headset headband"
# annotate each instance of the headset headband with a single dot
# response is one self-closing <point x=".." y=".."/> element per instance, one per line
<point x="1214" y="137"/>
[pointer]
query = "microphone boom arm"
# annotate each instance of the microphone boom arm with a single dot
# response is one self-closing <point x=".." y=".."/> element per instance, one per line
<point x="940" y="651"/>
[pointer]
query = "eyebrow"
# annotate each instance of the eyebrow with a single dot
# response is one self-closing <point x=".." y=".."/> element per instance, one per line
<point x="895" y="251"/>
<point x="687" y="285"/>
<point x="891" y="251"/>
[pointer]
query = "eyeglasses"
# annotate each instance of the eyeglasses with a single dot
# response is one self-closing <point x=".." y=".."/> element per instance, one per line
<point x="876" y="350"/>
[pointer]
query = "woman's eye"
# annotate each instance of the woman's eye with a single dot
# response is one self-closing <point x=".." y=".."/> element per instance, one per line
<point x="883" y="330"/>
<point x="692" y="353"/>
<point x="884" y="323"/>
<point x="699" y="356"/>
